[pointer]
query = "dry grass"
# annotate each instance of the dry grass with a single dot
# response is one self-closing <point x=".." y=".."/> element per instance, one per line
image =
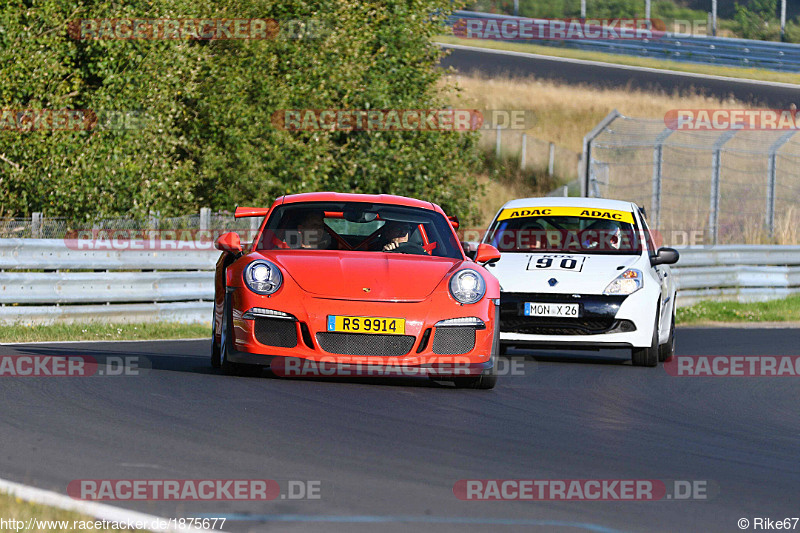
<point x="565" y="113"/>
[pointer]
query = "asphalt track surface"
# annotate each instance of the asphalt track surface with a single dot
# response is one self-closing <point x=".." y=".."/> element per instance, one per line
<point x="491" y="63"/>
<point x="387" y="453"/>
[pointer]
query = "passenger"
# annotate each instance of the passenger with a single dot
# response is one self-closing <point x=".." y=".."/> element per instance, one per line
<point x="311" y="233"/>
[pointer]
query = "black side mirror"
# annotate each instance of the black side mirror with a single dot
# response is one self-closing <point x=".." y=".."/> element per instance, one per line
<point x="665" y="256"/>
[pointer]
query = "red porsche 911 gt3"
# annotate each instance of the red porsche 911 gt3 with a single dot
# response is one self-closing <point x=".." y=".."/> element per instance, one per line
<point x="347" y="283"/>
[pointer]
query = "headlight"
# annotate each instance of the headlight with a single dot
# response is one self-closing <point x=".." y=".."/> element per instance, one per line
<point x="262" y="277"/>
<point x="467" y="286"/>
<point x="628" y="282"/>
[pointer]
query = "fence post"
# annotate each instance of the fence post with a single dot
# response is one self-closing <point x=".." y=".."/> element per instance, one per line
<point x="497" y="144"/>
<point x="205" y="218"/>
<point x="523" y="155"/>
<point x="551" y="158"/>
<point x="36" y="225"/>
<point x="716" y="159"/>
<point x="658" y="163"/>
<point x="587" y="150"/>
<point x="771" y="178"/>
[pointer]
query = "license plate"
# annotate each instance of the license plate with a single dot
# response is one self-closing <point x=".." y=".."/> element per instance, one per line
<point x="549" y="309"/>
<point x="367" y="324"/>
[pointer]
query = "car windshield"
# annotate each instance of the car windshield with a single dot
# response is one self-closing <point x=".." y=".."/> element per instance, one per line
<point x="359" y="226"/>
<point x="565" y="229"/>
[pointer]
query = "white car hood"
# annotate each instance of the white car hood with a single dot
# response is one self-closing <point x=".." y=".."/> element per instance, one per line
<point x="517" y="272"/>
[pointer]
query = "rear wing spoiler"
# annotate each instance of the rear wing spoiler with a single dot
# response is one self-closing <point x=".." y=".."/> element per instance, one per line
<point x="243" y="212"/>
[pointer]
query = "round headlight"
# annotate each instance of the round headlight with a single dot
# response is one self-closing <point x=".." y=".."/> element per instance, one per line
<point x="467" y="286"/>
<point x="262" y="277"/>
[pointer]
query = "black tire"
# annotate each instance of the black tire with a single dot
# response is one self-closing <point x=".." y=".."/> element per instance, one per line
<point x="215" y="360"/>
<point x="225" y="345"/>
<point x="647" y="356"/>
<point x="667" y="350"/>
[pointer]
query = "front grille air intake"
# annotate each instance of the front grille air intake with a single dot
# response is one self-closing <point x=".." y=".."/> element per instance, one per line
<point x="365" y="344"/>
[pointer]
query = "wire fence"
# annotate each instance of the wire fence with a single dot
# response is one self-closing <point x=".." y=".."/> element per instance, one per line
<point x="40" y="227"/>
<point x="735" y="187"/>
<point x="532" y="153"/>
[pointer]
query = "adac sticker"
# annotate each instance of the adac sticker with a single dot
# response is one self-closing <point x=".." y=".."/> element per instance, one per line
<point x="585" y="212"/>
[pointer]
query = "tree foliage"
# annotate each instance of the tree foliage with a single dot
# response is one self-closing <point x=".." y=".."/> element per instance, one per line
<point x="203" y="134"/>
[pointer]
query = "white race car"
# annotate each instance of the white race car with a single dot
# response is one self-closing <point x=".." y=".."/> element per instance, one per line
<point x="583" y="273"/>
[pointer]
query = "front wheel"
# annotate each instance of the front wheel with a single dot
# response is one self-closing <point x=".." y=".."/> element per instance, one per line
<point x="647" y="356"/>
<point x="215" y="358"/>
<point x="667" y="350"/>
<point x="225" y="343"/>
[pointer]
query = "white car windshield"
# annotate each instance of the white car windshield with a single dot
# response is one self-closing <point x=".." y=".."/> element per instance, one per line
<point x="576" y="230"/>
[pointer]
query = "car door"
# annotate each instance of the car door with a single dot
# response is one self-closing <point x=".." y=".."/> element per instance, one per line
<point x="662" y="273"/>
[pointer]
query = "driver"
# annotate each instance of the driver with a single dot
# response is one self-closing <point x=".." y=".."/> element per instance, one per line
<point x="604" y="234"/>
<point x="395" y="237"/>
<point x="394" y="234"/>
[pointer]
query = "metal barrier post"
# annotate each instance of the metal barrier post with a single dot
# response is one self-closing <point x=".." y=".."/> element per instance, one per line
<point x="658" y="163"/>
<point x="497" y="144"/>
<point x="771" y="172"/>
<point x="205" y="218"/>
<point x="587" y="149"/>
<point x="523" y="156"/>
<point x="551" y="160"/>
<point x="716" y="157"/>
<point x="36" y="225"/>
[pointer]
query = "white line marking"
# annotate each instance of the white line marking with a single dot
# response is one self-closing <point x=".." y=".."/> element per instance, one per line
<point x="100" y="511"/>
<point x="615" y="65"/>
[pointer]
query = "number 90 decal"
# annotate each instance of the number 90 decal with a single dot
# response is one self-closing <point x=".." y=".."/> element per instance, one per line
<point x="556" y="262"/>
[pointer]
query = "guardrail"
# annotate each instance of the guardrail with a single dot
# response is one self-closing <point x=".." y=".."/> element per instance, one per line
<point x="51" y="280"/>
<point x="675" y="47"/>
<point x="738" y="273"/>
<point x="45" y="280"/>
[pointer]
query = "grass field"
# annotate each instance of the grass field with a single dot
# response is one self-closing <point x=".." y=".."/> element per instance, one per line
<point x="785" y="310"/>
<point x="12" y="508"/>
<point x="730" y="72"/>
<point x="96" y="331"/>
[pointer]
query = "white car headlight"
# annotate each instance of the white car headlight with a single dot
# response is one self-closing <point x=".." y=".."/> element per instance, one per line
<point x="628" y="282"/>
<point x="467" y="286"/>
<point x="262" y="277"/>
